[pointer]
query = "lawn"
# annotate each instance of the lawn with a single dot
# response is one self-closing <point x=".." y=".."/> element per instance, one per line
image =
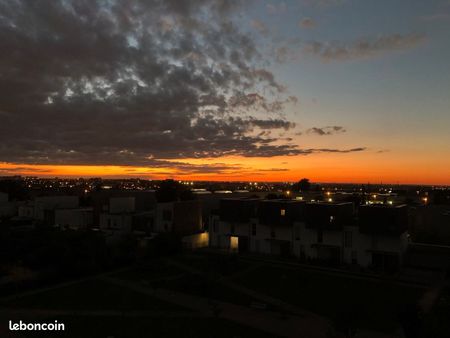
<point x="90" y="295"/>
<point x="158" y="269"/>
<point x="202" y="286"/>
<point x="212" y="263"/>
<point x="436" y="322"/>
<point x="178" y="279"/>
<point x="367" y="304"/>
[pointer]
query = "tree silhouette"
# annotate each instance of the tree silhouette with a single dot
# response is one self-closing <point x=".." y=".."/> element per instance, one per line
<point x="303" y="185"/>
<point x="170" y="191"/>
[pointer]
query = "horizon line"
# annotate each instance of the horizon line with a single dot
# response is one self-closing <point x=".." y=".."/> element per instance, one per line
<point x="74" y="177"/>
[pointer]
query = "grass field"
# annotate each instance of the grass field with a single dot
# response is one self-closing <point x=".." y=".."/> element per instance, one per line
<point x="90" y="295"/>
<point x="161" y="274"/>
<point x="369" y="304"/>
<point x="365" y="303"/>
<point x="214" y="264"/>
<point x="158" y="269"/>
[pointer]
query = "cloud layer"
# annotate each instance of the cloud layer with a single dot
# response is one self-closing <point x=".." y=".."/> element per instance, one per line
<point x="330" y="130"/>
<point x="363" y="47"/>
<point x="144" y="83"/>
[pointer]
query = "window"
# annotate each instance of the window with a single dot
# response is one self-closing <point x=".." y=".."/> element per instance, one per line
<point x="302" y="251"/>
<point x="151" y="224"/>
<point x="297" y="233"/>
<point x="215" y="225"/>
<point x="283" y="212"/>
<point x="348" y="239"/>
<point x="167" y="215"/>
<point x="319" y="236"/>
<point x="257" y="245"/>
<point x="253" y="229"/>
<point x="354" y="257"/>
<point x="374" y="243"/>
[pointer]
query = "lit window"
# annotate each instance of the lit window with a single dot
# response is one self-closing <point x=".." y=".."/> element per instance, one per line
<point x="234" y="243"/>
<point x="283" y="212"/>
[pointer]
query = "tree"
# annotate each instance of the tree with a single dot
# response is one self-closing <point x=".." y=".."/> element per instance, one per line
<point x="302" y="185"/>
<point x="16" y="189"/>
<point x="171" y="191"/>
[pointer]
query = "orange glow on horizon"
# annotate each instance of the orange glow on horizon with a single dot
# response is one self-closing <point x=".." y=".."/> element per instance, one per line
<point x="361" y="168"/>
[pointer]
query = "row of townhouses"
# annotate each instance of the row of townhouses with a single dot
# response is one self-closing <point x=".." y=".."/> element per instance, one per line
<point x="335" y="232"/>
<point x="375" y="236"/>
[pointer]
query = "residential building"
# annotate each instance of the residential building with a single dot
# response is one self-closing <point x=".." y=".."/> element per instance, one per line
<point x="313" y="231"/>
<point x="75" y="219"/>
<point x="180" y="217"/>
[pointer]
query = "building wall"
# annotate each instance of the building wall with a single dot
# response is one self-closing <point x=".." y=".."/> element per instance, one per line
<point x="3" y="198"/>
<point x="187" y="217"/>
<point x="43" y="203"/>
<point x="26" y="211"/>
<point x="164" y="217"/>
<point x="121" y="204"/>
<point x="116" y="223"/>
<point x="7" y="209"/>
<point x="183" y="218"/>
<point x="303" y="241"/>
<point x="196" y="241"/>
<point x="74" y="218"/>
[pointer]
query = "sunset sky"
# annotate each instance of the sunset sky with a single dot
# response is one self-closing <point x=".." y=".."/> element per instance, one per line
<point x="332" y="90"/>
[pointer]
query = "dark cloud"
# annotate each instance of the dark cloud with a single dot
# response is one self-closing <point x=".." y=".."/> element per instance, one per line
<point x="362" y="48"/>
<point x="275" y="169"/>
<point x="323" y="3"/>
<point x="326" y="130"/>
<point x="272" y="124"/>
<point x="22" y="169"/>
<point x="259" y="26"/>
<point x="436" y="17"/>
<point x="327" y="150"/>
<point x="277" y="8"/>
<point x="142" y="83"/>
<point x="307" y="23"/>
